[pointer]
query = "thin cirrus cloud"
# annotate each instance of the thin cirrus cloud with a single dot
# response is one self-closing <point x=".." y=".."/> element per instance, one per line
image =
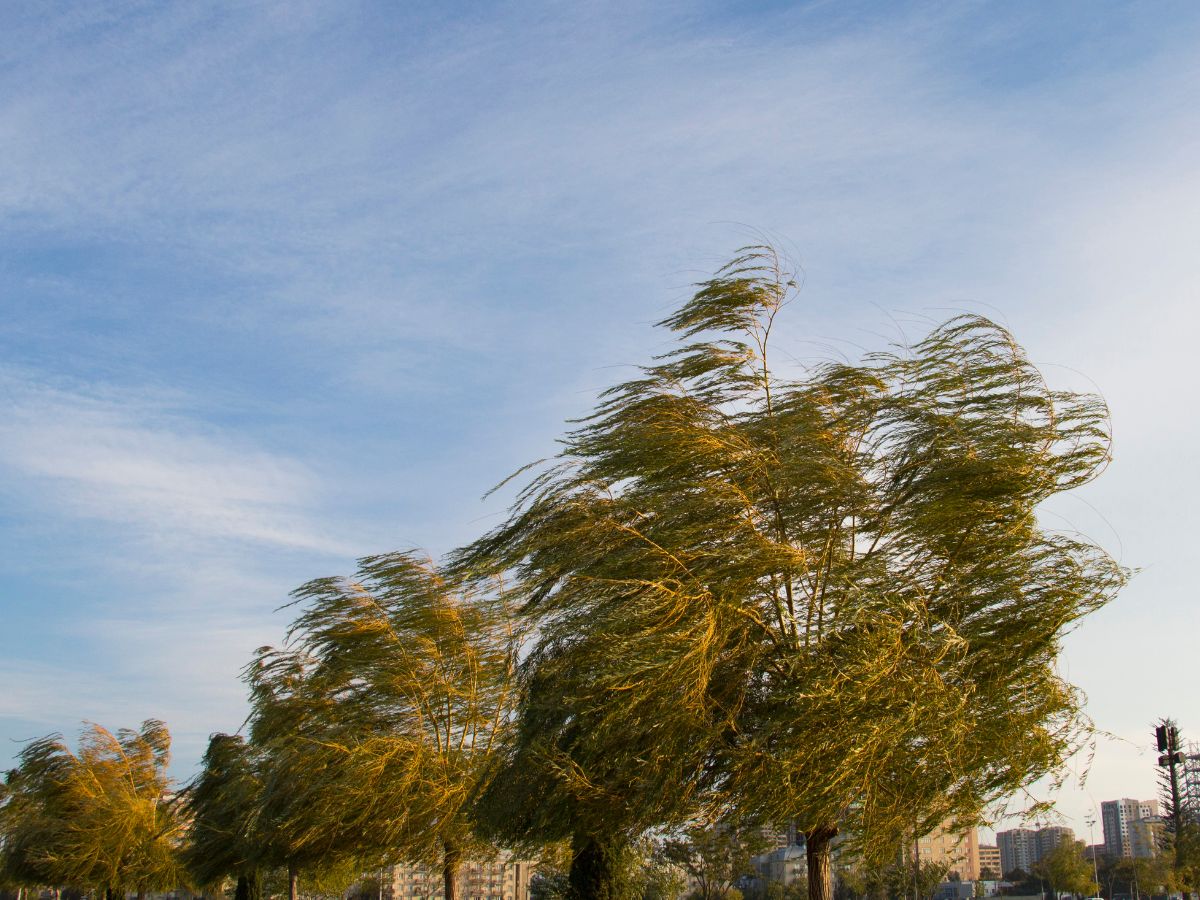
<point x="120" y="457"/>
<point x="409" y="243"/>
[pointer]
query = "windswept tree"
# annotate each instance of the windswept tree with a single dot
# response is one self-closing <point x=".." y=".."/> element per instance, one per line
<point x="819" y="595"/>
<point x="222" y="806"/>
<point x="380" y="715"/>
<point x="100" y="817"/>
<point x="1067" y="869"/>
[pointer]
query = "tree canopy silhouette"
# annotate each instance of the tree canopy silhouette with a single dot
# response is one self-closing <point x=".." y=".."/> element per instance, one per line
<point x="819" y="595"/>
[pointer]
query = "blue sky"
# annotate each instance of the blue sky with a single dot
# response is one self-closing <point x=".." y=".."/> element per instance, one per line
<point x="284" y="284"/>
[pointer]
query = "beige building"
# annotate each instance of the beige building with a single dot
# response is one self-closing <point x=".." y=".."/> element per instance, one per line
<point x="1147" y="837"/>
<point x="959" y="848"/>
<point x="989" y="858"/>
<point x="500" y="879"/>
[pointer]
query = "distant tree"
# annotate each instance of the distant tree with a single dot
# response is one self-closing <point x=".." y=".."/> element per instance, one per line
<point x="715" y="857"/>
<point x="101" y="815"/>
<point x="987" y="874"/>
<point x="1185" y="854"/>
<point x="380" y="715"/>
<point x="1140" y="876"/>
<point x="820" y="596"/>
<point x="1067" y="869"/>
<point x="222" y="805"/>
<point x="923" y="877"/>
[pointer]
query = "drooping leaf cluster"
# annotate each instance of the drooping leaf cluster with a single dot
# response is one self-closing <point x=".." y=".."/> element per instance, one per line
<point x="380" y="713"/>
<point x="222" y="805"/>
<point x="102" y="816"/>
<point x="820" y="596"/>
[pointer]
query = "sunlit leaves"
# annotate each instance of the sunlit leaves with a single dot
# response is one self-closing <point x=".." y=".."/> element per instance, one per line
<point x="818" y="595"/>
<point x="99" y="816"/>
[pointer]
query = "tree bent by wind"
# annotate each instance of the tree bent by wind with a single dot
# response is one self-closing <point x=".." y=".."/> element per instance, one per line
<point x="101" y="816"/>
<point x="821" y="595"/>
<point x="380" y="716"/>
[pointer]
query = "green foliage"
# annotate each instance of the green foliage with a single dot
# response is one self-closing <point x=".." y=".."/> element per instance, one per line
<point x="222" y="805"/>
<point x="101" y="816"/>
<point x="639" y="872"/>
<point x="1067" y="869"/>
<point x="898" y="878"/>
<point x="714" y="856"/>
<point x="379" y="716"/>
<point x="1185" y="854"/>
<point x="822" y="597"/>
<point x="1138" y="876"/>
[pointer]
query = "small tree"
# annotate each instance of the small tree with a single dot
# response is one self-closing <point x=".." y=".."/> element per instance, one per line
<point x="222" y="805"/>
<point x="714" y="856"/>
<point x="102" y="815"/>
<point x="380" y="715"/>
<point x="1067" y="869"/>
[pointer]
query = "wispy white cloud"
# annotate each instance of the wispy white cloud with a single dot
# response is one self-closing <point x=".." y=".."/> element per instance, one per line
<point x="466" y="220"/>
<point x="124" y="458"/>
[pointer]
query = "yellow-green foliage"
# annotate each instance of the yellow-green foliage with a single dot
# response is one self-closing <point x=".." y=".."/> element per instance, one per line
<point x="819" y="595"/>
<point x="380" y="714"/>
<point x="99" y="817"/>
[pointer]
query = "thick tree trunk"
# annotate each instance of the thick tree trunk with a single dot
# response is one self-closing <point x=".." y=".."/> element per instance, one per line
<point x="451" y="861"/>
<point x="293" y="883"/>
<point x="593" y="869"/>
<point x="820" y="877"/>
<point x="243" y="888"/>
<point x="254" y="885"/>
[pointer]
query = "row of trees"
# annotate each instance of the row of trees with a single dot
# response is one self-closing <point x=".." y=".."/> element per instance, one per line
<point x="741" y="592"/>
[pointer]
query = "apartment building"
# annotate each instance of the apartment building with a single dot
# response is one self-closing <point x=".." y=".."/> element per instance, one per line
<point x="498" y="879"/>
<point x="1117" y="818"/>
<point x="1018" y="849"/>
<point x="989" y="859"/>
<point x="957" y="847"/>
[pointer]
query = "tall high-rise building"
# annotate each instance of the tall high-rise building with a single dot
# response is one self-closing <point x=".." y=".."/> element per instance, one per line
<point x="1050" y="837"/>
<point x="1021" y="848"/>
<point x="1118" y="816"/>
<point x="1018" y="849"/>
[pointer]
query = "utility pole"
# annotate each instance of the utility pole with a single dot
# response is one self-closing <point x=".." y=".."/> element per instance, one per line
<point x="1171" y="757"/>
<point x="1091" y="824"/>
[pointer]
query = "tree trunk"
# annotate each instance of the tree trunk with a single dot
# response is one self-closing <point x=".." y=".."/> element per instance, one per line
<point x="593" y="869"/>
<point x="820" y="877"/>
<point x="243" y="888"/>
<point x="254" y="885"/>
<point x="451" y="860"/>
<point x="293" y="883"/>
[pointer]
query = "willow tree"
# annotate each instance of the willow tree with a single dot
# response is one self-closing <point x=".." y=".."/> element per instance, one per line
<point x="222" y="805"/>
<point x="381" y="713"/>
<point x="101" y="816"/>
<point x="820" y="595"/>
